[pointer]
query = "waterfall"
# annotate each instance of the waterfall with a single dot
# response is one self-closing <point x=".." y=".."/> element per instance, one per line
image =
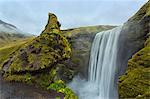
<point x="103" y="63"/>
<point x="102" y="68"/>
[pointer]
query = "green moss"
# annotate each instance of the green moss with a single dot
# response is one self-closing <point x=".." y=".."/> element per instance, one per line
<point x="145" y="96"/>
<point x="136" y="81"/>
<point x="41" y="53"/>
<point x="59" y="86"/>
<point x="11" y="48"/>
<point x="25" y="78"/>
<point x="64" y="72"/>
<point x="57" y="98"/>
<point x="39" y="57"/>
<point x="70" y="33"/>
<point x="53" y="26"/>
<point x="44" y="79"/>
<point x="143" y="12"/>
<point x="148" y="9"/>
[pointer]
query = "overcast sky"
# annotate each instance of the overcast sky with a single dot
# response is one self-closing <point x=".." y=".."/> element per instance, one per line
<point x="31" y="15"/>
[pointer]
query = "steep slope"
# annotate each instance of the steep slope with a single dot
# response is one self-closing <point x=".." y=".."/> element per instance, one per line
<point x="10" y="33"/>
<point x="133" y="35"/>
<point x="136" y="80"/>
<point x="46" y="49"/>
<point x="7" y="24"/>
<point x="33" y="61"/>
<point x="8" y="48"/>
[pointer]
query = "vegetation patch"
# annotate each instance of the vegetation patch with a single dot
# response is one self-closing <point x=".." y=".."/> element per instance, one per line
<point x="136" y="81"/>
<point x="59" y="86"/>
<point x="34" y="61"/>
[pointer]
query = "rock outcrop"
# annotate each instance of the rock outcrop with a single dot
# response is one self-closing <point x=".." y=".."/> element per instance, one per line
<point x="81" y="40"/>
<point x="136" y="80"/>
<point x="50" y="54"/>
<point x="35" y="61"/>
<point x="133" y="35"/>
<point x="42" y="52"/>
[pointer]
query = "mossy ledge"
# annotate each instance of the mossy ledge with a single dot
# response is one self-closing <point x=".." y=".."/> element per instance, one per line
<point x="136" y="81"/>
<point x="35" y="62"/>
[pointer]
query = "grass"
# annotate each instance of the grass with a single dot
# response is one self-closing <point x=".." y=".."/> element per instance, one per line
<point x="10" y="47"/>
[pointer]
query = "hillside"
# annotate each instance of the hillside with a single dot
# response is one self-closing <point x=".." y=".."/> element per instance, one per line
<point x="10" y="33"/>
<point x="55" y="56"/>
<point x="40" y="60"/>
<point x="136" y="80"/>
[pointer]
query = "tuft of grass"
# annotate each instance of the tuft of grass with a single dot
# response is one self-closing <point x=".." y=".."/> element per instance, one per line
<point x="59" y="86"/>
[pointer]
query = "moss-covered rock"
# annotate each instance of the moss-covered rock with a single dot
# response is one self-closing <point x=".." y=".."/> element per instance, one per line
<point x="81" y="40"/>
<point x="35" y="61"/>
<point x="46" y="59"/>
<point x="133" y="35"/>
<point x="42" y="52"/>
<point x="53" y="24"/>
<point x="136" y="80"/>
<point x="9" y="49"/>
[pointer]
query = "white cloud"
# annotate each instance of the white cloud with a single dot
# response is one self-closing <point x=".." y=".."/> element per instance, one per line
<point x="31" y="15"/>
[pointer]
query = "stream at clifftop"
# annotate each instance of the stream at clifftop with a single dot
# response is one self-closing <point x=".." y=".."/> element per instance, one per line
<point x="14" y="90"/>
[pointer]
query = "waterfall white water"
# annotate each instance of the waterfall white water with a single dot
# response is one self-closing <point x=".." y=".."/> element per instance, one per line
<point x="102" y="68"/>
<point x="102" y="65"/>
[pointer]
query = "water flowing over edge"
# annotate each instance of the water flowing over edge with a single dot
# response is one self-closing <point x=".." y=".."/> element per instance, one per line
<point x="102" y="68"/>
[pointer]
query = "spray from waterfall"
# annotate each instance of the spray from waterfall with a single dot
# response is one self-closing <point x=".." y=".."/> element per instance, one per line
<point x="102" y="68"/>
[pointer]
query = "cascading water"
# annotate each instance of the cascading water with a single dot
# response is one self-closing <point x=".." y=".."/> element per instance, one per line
<point x="102" y="68"/>
<point x="103" y="62"/>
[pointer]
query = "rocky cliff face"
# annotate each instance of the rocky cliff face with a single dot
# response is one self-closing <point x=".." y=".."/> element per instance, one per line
<point x="81" y="40"/>
<point x="135" y="35"/>
<point x="136" y="80"/>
